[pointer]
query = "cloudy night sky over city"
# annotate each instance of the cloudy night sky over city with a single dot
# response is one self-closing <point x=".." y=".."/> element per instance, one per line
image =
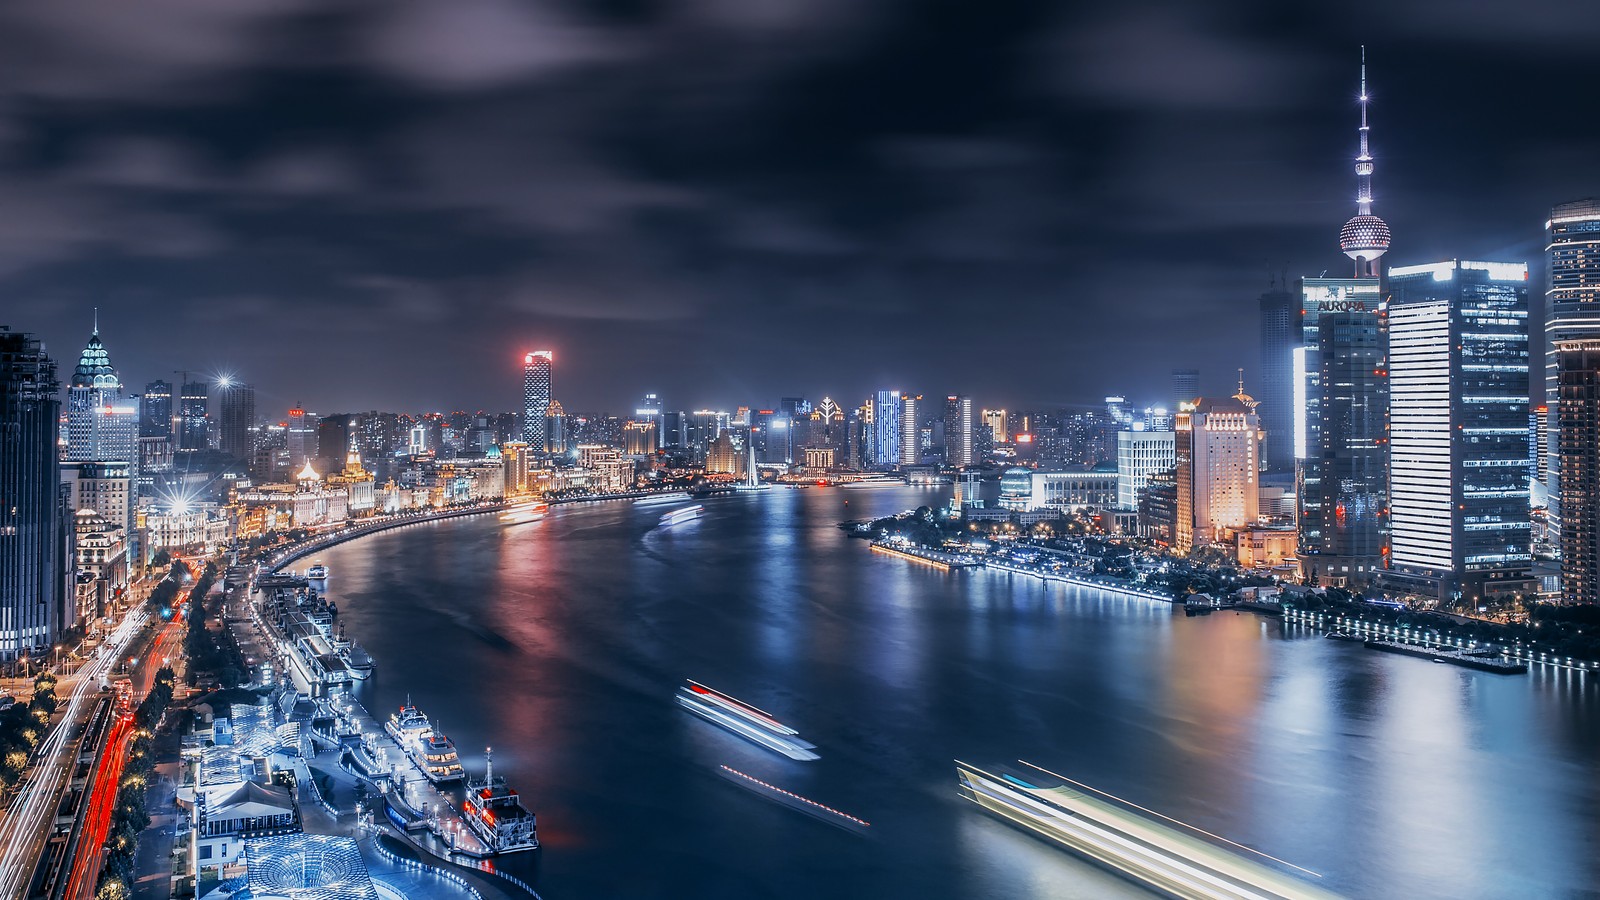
<point x="360" y="205"/>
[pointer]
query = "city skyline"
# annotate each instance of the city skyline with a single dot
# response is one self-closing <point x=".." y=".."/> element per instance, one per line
<point x="1028" y="173"/>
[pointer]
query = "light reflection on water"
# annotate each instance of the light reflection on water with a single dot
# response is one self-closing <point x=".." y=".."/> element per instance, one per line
<point x="1392" y="776"/>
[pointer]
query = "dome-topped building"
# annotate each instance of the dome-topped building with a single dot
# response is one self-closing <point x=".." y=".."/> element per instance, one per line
<point x="94" y="366"/>
<point x="102" y="424"/>
<point x="1365" y="237"/>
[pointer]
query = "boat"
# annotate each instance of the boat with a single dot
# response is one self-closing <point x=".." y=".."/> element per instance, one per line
<point x="688" y="513"/>
<point x="360" y="662"/>
<point x="317" y="572"/>
<point x="1343" y="636"/>
<point x="436" y="754"/>
<point x="662" y="499"/>
<point x="1160" y="853"/>
<point x="496" y="815"/>
<point x="408" y="725"/>
<point x="524" y="513"/>
<point x="749" y="722"/>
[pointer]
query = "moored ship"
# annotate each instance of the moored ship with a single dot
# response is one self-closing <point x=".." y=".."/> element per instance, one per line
<point x="437" y="756"/>
<point x="317" y="572"/>
<point x="407" y="725"/>
<point x="495" y="813"/>
<point x="749" y="722"/>
<point x="1181" y="861"/>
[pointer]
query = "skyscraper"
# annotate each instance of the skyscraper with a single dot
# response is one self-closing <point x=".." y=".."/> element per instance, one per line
<point x="536" y="382"/>
<point x="996" y="420"/>
<point x="910" y="430"/>
<point x="1215" y="453"/>
<point x="301" y="438"/>
<point x="155" y="410"/>
<point x="1345" y="545"/>
<point x="958" y="431"/>
<point x="1578" y="458"/>
<point x="771" y="434"/>
<point x="1280" y="335"/>
<point x="1141" y="454"/>
<point x="102" y="424"/>
<point x="555" y="429"/>
<point x="1185" y="386"/>
<point x="650" y="409"/>
<point x="1572" y="312"/>
<point x="194" y="421"/>
<point x="885" y="408"/>
<point x="35" y="534"/>
<point x="1458" y="422"/>
<point x="236" y="418"/>
<point x="1336" y="476"/>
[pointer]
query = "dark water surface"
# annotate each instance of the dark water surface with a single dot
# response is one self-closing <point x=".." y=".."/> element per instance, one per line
<point x="561" y="644"/>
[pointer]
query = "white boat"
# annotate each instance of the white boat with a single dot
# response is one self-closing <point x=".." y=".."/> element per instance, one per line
<point x="408" y="725"/>
<point x="317" y="572"/>
<point x="436" y="754"/>
<point x="746" y="721"/>
<point x="1131" y="841"/>
<point x="687" y="514"/>
<point x="360" y="662"/>
<point x="662" y="499"/>
<point x="524" y="513"/>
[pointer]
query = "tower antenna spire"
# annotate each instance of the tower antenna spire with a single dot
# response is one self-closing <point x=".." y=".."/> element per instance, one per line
<point x="1366" y="237"/>
<point x="97" y="320"/>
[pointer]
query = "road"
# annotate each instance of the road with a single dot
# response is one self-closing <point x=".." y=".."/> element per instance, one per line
<point x="26" y="825"/>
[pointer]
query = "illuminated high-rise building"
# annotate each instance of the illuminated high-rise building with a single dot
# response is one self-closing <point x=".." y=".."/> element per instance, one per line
<point x="36" y="560"/>
<point x="1578" y="458"/>
<point x="650" y="409"/>
<point x="155" y="410"/>
<point x="1141" y="454"/>
<point x="1572" y="312"/>
<point x="885" y="409"/>
<point x="773" y="438"/>
<point x="236" y="417"/>
<point x="910" y="430"/>
<point x="1458" y="422"/>
<point x="302" y="438"/>
<point x="958" y="431"/>
<point x="194" y="421"/>
<point x="1215" y="447"/>
<point x="557" y="441"/>
<point x="102" y="424"/>
<point x="997" y="421"/>
<point x="1352" y="456"/>
<point x="537" y="372"/>
<point x="639" y="437"/>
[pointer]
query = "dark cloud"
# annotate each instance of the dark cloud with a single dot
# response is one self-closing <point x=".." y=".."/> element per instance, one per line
<point x="360" y="203"/>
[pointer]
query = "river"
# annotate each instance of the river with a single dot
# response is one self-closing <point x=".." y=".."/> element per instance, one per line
<point x="561" y="643"/>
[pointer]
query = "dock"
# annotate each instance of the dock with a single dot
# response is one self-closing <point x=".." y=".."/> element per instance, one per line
<point x="936" y="558"/>
<point x="1482" y="660"/>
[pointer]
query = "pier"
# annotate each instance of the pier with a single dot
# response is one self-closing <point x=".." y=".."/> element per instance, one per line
<point x="1413" y="642"/>
<point x="936" y="558"/>
<point x="1113" y="585"/>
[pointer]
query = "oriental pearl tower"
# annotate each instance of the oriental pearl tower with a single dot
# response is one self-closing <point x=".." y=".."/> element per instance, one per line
<point x="1365" y="237"/>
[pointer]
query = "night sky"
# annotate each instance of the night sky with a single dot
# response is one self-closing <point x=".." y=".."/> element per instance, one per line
<point x="381" y="204"/>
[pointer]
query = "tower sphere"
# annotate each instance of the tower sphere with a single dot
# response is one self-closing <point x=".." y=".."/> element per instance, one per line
<point x="1364" y="237"/>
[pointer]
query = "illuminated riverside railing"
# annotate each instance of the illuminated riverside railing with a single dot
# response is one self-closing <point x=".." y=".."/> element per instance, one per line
<point x="1431" y="637"/>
